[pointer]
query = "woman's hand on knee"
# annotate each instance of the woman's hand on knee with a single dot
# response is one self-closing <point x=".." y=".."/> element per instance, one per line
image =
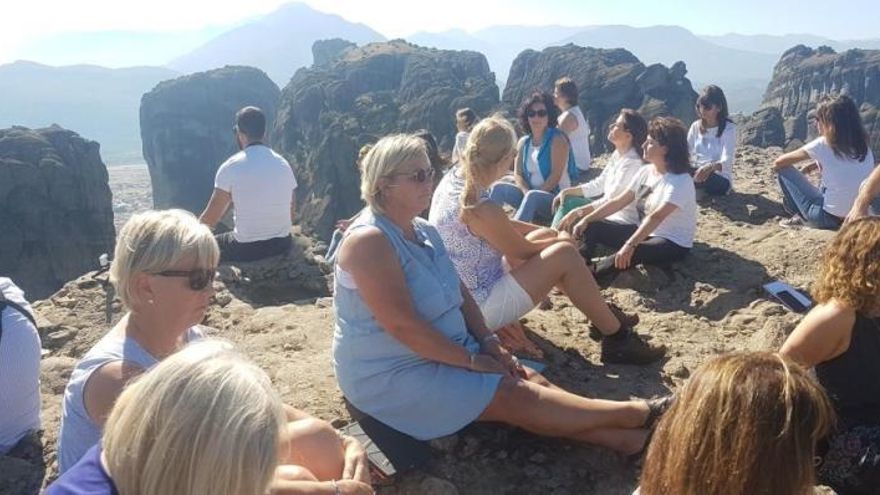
<point x="357" y="465"/>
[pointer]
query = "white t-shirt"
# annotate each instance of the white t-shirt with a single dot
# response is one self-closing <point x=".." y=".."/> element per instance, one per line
<point x="579" y="138"/>
<point x="460" y="143"/>
<point x="841" y="176"/>
<point x="709" y="148"/>
<point x="654" y="190"/>
<point x="19" y="371"/>
<point x="261" y="183"/>
<point x="616" y="178"/>
<point x="536" y="180"/>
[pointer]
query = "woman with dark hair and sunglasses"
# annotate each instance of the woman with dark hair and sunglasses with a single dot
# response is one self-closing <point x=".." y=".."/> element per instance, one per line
<point x="843" y="158"/>
<point x="665" y="200"/>
<point x="544" y="162"/>
<point x="627" y="134"/>
<point x="163" y="271"/>
<point x="712" y="143"/>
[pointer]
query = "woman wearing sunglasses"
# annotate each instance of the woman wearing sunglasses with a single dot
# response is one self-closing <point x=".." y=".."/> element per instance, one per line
<point x="163" y="271"/>
<point x="544" y="162"/>
<point x="411" y="347"/>
<point x="712" y="143"/>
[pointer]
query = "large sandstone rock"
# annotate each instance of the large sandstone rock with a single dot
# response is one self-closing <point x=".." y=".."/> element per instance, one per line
<point x="803" y="75"/>
<point x="609" y="80"/>
<point x="360" y="94"/>
<point x="763" y="128"/>
<point x="56" y="214"/>
<point x="186" y="127"/>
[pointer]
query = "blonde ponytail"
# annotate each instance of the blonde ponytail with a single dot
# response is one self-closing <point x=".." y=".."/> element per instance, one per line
<point x="490" y="141"/>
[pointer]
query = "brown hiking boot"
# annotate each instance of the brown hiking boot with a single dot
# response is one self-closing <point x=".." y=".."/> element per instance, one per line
<point x="625" y="319"/>
<point x="627" y="347"/>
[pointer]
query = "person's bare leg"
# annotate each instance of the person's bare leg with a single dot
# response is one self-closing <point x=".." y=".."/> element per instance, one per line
<point x="552" y="412"/>
<point x="624" y="440"/>
<point x="314" y="445"/>
<point x="561" y="264"/>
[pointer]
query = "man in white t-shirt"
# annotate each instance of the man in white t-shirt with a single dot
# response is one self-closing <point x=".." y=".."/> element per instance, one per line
<point x="261" y="185"/>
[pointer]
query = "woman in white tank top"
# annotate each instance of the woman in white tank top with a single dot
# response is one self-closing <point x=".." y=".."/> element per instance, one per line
<point x="573" y="122"/>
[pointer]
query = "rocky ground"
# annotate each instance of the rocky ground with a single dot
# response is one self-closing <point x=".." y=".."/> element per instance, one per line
<point x="279" y="314"/>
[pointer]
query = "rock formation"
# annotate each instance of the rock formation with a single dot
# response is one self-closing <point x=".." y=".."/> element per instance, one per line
<point x="763" y="128"/>
<point x="186" y="127"/>
<point x="56" y="213"/>
<point x="804" y="74"/>
<point x="327" y="112"/>
<point x="608" y="80"/>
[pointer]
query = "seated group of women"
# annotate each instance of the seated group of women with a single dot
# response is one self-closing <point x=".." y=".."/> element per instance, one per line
<point x="417" y="303"/>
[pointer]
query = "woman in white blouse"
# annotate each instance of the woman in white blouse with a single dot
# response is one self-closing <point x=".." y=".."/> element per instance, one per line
<point x="712" y="143"/>
<point x="627" y="134"/>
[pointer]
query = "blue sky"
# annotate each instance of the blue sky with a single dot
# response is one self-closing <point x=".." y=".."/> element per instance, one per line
<point x="28" y="31"/>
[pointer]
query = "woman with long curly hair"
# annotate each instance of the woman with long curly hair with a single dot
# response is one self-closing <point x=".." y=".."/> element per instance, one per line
<point x="745" y="424"/>
<point x="840" y="337"/>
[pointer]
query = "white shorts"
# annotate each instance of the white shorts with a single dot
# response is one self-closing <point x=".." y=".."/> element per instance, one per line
<point x="507" y="302"/>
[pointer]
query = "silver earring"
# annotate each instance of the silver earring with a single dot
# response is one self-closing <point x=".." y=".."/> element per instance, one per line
<point x="150" y="301"/>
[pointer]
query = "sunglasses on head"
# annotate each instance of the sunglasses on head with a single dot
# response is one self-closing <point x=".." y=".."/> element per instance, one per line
<point x="536" y="113"/>
<point x="420" y="176"/>
<point x="198" y="279"/>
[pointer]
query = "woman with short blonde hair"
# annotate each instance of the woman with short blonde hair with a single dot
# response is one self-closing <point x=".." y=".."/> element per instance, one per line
<point x="411" y="347"/>
<point x="163" y="271"/>
<point x="386" y="160"/>
<point x="205" y="420"/>
<point x="745" y="423"/>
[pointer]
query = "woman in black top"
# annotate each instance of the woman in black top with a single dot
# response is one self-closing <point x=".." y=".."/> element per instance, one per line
<point x="840" y="337"/>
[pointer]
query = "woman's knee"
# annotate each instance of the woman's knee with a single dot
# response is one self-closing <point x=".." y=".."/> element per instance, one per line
<point x="509" y="397"/>
<point x="315" y="445"/>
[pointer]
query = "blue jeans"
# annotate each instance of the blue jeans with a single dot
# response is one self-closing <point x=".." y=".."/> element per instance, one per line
<point x="714" y="185"/>
<point x="800" y="197"/>
<point x="529" y="205"/>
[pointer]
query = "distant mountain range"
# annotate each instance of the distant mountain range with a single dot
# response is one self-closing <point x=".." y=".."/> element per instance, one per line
<point x="98" y="103"/>
<point x="278" y="43"/>
<point x="102" y="104"/>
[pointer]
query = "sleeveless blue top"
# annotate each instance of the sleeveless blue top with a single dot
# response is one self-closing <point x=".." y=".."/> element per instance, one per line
<point x="544" y="161"/>
<point x="386" y="379"/>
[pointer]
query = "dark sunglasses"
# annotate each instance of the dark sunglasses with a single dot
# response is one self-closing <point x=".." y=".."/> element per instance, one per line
<point x="420" y="176"/>
<point x="198" y="279"/>
<point x="536" y="113"/>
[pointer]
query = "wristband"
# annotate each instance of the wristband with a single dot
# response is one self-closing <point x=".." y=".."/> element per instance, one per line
<point x="471" y="358"/>
<point x="489" y="338"/>
<point x="335" y="487"/>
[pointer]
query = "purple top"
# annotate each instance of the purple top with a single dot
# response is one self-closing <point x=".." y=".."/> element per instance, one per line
<point x="86" y="477"/>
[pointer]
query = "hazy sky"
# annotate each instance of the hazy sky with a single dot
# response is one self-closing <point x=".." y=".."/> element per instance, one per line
<point x="28" y="22"/>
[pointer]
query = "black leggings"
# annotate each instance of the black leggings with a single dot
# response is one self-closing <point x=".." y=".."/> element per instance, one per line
<point x="232" y="250"/>
<point x="652" y="251"/>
